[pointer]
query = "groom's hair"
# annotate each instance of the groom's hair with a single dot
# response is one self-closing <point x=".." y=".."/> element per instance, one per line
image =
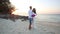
<point x="30" y="7"/>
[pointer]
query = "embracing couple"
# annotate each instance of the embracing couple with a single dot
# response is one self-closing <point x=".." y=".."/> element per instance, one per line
<point x="32" y="14"/>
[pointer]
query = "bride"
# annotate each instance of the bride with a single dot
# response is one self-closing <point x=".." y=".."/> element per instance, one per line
<point x="34" y="17"/>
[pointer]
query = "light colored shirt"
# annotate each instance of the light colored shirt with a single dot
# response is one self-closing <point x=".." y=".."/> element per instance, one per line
<point x="30" y="13"/>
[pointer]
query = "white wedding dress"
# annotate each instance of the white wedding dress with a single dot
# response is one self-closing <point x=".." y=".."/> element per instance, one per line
<point x="34" y="22"/>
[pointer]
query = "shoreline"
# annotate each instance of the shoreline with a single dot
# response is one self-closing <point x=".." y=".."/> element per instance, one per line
<point x="21" y="27"/>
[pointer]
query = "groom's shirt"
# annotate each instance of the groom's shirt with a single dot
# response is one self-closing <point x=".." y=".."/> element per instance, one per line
<point x="30" y="13"/>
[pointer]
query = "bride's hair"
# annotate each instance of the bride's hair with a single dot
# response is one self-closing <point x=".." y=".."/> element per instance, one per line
<point x="34" y="10"/>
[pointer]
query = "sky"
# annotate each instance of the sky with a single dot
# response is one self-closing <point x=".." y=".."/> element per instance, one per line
<point x="42" y="6"/>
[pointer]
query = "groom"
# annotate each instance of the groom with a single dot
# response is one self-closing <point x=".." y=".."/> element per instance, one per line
<point x="30" y="17"/>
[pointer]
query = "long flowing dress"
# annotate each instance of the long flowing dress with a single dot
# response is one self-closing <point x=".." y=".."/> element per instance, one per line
<point x="34" y="21"/>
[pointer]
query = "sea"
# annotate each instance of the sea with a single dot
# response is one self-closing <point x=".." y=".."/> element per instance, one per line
<point x="52" y="18"/>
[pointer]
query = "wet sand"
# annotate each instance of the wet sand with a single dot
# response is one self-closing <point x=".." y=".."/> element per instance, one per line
<point x="21" y="27"/>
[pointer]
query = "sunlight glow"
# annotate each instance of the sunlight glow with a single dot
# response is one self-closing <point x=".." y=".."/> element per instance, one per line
<point x="42" y="6"/>
<point x="23" y="6"/>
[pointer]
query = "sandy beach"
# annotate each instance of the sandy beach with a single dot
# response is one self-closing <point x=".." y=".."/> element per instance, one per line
<point x="21" y="27"/>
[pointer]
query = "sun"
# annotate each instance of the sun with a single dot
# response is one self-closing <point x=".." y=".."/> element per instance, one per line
<point x="20" y="6"/>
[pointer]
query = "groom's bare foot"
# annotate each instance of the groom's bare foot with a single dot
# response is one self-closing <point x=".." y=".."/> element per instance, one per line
<point x="29" y="27"/>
